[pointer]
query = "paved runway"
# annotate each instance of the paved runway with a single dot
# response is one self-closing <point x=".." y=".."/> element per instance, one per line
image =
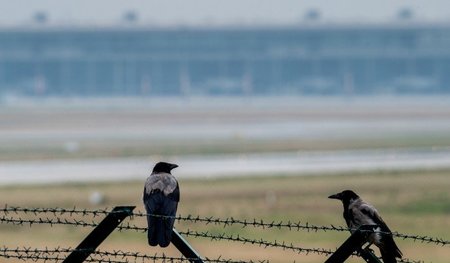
<point x="66" y="127"/>
<point x="294" y="163"/>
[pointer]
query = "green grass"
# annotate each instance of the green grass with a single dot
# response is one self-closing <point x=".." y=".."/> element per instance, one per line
<point x="428" y="205"/>
<point x="410" y="202"/>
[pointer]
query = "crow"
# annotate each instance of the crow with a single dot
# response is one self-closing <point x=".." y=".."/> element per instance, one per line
<point x="357" y="213"/>
<point x="161" y="197"/>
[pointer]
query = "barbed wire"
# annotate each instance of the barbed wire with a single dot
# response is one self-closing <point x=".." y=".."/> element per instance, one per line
<point x="229" y="221"/>
<point x="56" y="254"/>
<point x="222" y="236"/>
<point x="137" y="255"/>
<point x="264" y="243"/>
<point x="47" y="254"/>
<point x="217" y="237"/>
<point x="53" y="255"/>
<point x="57" y="212"/>
<point x="46" y="221"/>
<point x="260" y="242"/>
<point x="406" y="260"/>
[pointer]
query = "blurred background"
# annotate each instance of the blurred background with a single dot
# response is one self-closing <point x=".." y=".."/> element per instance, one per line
<point x="267" y="107"/>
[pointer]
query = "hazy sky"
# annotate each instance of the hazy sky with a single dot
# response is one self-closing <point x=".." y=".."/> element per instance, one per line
<point x="214" y="12"/>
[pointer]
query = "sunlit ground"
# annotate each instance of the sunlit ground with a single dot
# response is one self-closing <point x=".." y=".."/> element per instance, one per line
<point x="411" y="202"/>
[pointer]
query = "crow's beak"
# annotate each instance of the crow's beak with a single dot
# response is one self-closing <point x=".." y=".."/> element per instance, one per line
<point x="336" y="196"/>
<point x="173" y="166"/>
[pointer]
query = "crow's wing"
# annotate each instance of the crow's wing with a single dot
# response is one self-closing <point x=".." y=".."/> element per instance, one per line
<point x="161" y="196"/>
<point x="371" y="216"/>
<point x="388" y="248"/>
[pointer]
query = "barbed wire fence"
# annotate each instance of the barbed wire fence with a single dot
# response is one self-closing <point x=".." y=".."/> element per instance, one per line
<point x="75" y="217"/>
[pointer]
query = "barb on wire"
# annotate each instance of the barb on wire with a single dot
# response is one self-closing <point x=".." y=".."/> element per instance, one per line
<point x="102" y="256"/>
<point x="45" y="221"/>
<point x="223" y="236"/>
<point x="276" y="244"/>
<point x="52" y="255"/>
<point x="229" y="221"/>
<point x="137" y="255"/>
<point x="406" y="260"/>
<point x="422" y="239"/>
<point x="415" y="238"/>
<point x="56" y="211"/>
<point x="260" y="242"/>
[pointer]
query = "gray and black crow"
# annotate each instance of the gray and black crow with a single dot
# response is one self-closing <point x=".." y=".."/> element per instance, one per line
<point x="357" y="213"/>
<point x="161" y="197"/>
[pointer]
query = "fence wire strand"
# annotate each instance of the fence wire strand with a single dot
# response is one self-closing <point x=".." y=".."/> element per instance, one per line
<point x="230" y="221"/>
<point x="53" y="216"/>
<point x="260" y="242"/>
<point x="116" y="256"/>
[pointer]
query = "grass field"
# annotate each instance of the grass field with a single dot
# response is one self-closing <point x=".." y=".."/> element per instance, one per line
<point x="410" y="202"/>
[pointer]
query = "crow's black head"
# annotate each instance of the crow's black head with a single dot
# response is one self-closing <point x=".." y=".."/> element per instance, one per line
<point x="345" y="196"/>
<point x="163" y="167"/>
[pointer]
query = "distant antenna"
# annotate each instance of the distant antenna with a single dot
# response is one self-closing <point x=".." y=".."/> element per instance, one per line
<point x="40" y="17"/>
<point x="405" y="14"/>
<point x="247" y="82"/>
<point x="146" y="84"/>
<point x="185" y="81"/>
<point x="312" y="15"/>
<point x="40" y="84"/>
<point x="130" y="17"/>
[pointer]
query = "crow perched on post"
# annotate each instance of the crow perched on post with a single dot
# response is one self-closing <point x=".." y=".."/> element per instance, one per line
<point x="357" y="213"/>
<point x="161" y="197"/>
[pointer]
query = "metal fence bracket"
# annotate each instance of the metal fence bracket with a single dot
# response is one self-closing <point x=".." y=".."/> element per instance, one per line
<point x="354" y="243"/>
<point x="99" y="234"/>
<point x="183" y="246"/>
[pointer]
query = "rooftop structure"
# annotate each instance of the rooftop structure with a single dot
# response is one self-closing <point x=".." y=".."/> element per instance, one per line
<point x="141" y="61"/>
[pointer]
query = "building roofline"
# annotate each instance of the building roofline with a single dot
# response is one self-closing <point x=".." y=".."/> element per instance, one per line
<point x="318" y="26"/>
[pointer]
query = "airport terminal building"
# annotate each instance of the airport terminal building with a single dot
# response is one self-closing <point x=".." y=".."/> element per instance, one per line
<point x="300" y="60"/>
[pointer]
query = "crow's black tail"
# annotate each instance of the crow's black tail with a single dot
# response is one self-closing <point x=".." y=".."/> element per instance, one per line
<point x="159" y="231"/>
<point x="389" y="250"/>
<point x="152" y="231"/>
<point x="164" y="234"/>
<point x="160" y="220"/>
